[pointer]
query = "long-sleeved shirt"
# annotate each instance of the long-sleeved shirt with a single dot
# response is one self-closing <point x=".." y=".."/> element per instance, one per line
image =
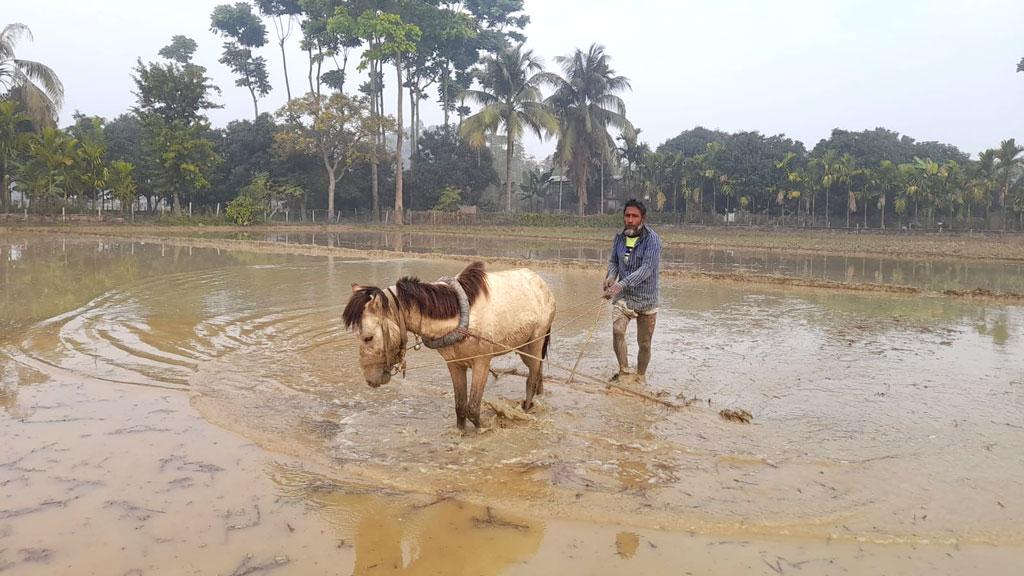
<point x="637" y="270"/>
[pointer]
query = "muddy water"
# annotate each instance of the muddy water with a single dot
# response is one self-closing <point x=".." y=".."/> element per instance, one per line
<point x="172" y="410"/>
<point x="934" y="274"/>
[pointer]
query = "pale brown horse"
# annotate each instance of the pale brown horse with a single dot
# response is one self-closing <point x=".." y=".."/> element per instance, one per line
<point x="510" y="310"/>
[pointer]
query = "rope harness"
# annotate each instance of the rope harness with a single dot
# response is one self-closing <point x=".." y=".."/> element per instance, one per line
<point x="459" y="333"/>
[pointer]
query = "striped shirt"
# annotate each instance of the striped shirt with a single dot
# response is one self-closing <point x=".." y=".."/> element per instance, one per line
<point x="637" y="269"/>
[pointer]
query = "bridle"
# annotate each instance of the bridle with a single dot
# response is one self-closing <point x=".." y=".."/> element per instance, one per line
<point x="398" y="365"/>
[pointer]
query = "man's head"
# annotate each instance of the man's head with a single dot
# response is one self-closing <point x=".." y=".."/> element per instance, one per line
<point x="633" y="216"/>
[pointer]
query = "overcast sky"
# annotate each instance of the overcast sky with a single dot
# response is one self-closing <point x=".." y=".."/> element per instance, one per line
<point x="932" y="69"/>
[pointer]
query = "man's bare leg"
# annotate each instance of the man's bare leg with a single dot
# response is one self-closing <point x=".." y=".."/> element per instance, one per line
<point x="644" y="334"/>
<point x="619" y="343"/>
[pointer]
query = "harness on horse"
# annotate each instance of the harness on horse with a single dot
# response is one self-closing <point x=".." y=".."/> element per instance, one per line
<point x="459" y="333"/>
<point x="450" y="339"/>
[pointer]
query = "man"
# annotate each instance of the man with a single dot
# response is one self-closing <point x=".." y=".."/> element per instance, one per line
<point x="632" y="286"/>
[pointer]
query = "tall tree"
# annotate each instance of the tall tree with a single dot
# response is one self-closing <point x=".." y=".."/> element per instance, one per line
<point x="510" y="95"/>
<point x="1008" y="157"/>
<point x="171" y="102"/>
<point x="246" y="32"/>
<point x="338" y="129"/>
<point x="397" y="39"/>
<point x="587" y="105"/>
<point x="35" y="85"/>
<point x="282" y="13"/>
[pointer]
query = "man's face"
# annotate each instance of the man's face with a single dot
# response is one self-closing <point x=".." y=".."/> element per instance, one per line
<point x="632" y="220"/>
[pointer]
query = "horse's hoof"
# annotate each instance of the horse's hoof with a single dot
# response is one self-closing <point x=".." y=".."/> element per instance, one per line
<point x="526" y="406"/>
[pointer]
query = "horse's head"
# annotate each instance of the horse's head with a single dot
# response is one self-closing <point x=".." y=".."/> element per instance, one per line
<point x="373" y="317"/>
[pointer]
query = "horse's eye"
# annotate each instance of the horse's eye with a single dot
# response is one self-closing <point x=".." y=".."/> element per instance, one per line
<point x="368" y="339"/>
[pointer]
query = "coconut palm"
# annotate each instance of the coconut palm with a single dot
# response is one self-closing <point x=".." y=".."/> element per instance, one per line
<point x="1008" y="156"/>
<point x="511" y="98"/>
<point x="33" y="84"/>
<point x="586" y="104"/>
<point x="831" y="173"/>
<point x="886" y="178"/>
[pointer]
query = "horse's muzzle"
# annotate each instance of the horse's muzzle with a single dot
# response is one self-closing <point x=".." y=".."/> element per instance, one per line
<point x="379" y="379"/>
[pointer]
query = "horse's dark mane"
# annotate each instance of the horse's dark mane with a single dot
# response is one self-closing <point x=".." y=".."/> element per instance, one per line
<point x="353" y="314"/>
<point x="439" y="300"/>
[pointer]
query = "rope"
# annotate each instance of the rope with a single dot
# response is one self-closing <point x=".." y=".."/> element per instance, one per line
<point x="572" y="370"/>
<point x="586" y="343"/>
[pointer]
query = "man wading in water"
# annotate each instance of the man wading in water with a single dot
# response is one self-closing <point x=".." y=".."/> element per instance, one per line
<point x="632" y="286"/>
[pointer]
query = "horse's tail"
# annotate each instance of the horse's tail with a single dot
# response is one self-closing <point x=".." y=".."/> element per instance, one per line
<point x="547" y="340"/>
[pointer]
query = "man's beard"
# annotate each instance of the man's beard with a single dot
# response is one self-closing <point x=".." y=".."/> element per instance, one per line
<point x="633" y="232"/>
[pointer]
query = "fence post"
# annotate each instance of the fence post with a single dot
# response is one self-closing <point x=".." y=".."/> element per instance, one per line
<point x="63" y="214"/>
<point x="189" y="209"/>
<point x="218" y="209"/>
<point x="314" y="216"/>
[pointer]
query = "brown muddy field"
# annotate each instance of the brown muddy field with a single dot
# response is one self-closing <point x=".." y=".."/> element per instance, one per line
<point x="170" y="408"/>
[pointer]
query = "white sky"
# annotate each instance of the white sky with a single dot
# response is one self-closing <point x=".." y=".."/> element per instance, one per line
<point x="935" y="70"/>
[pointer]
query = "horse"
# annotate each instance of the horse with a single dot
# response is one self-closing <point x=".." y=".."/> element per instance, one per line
<point x="469" y="320"/>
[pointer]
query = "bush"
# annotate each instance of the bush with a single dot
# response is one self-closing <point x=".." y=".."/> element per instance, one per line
<point x="449" y="201"/>
<point x="244" y="210"/>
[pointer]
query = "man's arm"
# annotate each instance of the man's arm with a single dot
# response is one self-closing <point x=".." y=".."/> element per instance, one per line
<point x="613" y="268"/>
<point x="646" y="269"/>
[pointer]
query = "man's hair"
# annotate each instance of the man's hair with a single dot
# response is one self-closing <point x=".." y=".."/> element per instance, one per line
<point x="635" y="204"/>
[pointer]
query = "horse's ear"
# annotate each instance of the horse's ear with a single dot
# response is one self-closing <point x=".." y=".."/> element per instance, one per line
<point x="356" y="287"/>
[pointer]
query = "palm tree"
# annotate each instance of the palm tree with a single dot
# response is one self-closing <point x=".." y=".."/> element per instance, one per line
<point x="48" y="173"/>
<point x="33" y="84"/>
<point x="831" y="173"/>
<point x="711" y="153"/>
<point x="14" y="134"/>
<point x="886" y="178"/>
<point x="1008" y="156"/>
<point x="983" y="183"/>
<point x="586" y="104"/>
<point x="846" y="170"/>
<point x="533" y="184"/>
<point x="511" y="98"/>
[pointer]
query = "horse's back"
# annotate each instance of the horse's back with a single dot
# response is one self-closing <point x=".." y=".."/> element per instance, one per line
<point x="518" y="302"/>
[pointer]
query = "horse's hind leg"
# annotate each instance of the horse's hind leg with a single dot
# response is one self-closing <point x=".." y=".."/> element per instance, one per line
<point x="459" y="381"/>
<point x="531" y="355"/>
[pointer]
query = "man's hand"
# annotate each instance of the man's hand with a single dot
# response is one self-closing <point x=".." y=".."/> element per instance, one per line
<point x="608" y="283"/>
<point x="612" y="291"/>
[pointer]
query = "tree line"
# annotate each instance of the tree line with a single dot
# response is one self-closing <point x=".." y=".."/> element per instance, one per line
<point x="336" y="145"/>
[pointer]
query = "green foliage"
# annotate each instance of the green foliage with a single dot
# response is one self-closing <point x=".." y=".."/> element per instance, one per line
<point x="122" y="183"/>
<point x="178" y="158"/>
<point x="392" y="38"/>
<point x="587" y="106"/>
<point x="179" y="50"/>
<point x="511" y="99"/>
<point x="238" y="21"/>
<point x="32" y="84"/>
<point x="259" y="200"/>
<point x="449" y="200"/>
<point x="446" y="161"/>
<point x="15" y="130"/>
<point x="243" y="210"/>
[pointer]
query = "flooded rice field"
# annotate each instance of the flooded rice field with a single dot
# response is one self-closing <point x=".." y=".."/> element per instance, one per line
<point x="177" y="410"/>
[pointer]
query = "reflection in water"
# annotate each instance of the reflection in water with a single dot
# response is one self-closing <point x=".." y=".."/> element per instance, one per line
<point x="439" y="536"/>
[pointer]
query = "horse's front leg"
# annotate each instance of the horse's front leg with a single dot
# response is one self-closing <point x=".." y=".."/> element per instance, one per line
<point x="481" y="370"/>
<point x="459" y="381"/>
